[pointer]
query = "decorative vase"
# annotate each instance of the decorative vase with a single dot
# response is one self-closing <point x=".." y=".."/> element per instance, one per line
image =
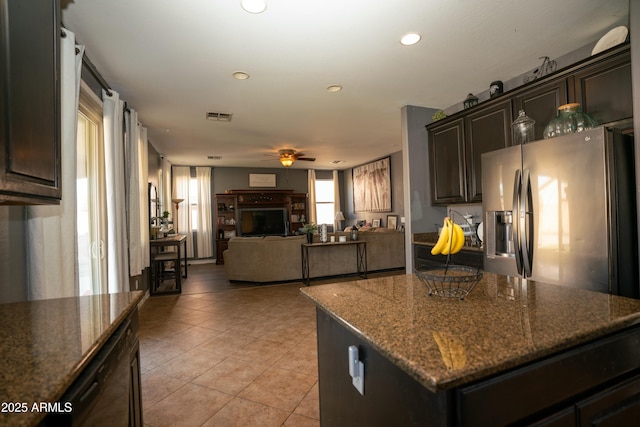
<point x="522" y="130"/>
<point x="309" y="237"/>
<point x="570" y="119"/>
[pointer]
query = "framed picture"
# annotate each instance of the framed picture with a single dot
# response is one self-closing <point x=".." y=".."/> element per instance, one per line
<point x="263" y="180"/>
<point x="375" y="223"/>
<point x="392" y="222"/>
<point x="372" y="187"/>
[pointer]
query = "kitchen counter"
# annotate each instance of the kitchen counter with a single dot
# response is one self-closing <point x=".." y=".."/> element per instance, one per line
<point x="499" y="325"/>
<point x="45" y="344"/>
<point x="446" y="361"/>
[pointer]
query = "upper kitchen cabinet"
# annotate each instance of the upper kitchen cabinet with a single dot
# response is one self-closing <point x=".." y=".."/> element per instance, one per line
<point x="600" y="83"/>
<point x="455" y="149"/>
<point x="446" y="167"/>
<point x="486" y="129"/>
<point x="30" y="102"/>
<point x="604" y="89"/>
<point x="541" y="103"/>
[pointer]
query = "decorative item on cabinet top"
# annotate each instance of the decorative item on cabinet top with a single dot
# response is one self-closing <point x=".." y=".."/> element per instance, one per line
<point x="470" y="101"/>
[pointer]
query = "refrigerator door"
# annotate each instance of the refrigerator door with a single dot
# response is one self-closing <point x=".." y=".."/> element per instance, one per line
<point x="500" y="170"/>
<point x="569" y="210"/>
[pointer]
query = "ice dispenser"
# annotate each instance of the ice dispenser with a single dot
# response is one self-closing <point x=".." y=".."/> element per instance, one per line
<point x="498" y="231"/>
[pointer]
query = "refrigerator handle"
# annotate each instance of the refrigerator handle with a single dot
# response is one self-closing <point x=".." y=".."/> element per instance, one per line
<point x="515" y="220"/>
<point x="527" y="224"/>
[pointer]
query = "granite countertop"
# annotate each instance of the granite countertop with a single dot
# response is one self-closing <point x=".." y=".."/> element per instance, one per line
<point x="447" y="342"/>
<point x="45" y="344"/>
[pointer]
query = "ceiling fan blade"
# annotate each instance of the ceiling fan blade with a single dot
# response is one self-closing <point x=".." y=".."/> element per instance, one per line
<point x="308" y="159"/>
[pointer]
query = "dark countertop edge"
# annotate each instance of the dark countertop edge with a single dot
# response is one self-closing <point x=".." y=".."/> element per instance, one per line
<point x="435" y="386"/>
<point x="97" y="345"/>
<point x="34" y="418"/>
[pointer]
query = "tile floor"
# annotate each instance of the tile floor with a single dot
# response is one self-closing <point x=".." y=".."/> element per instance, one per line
<point x="228" y="355"/>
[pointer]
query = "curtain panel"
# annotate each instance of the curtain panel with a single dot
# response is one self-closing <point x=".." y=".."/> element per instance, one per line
<point x="138" y="175"/>
<point x="117" y="243"/>
<point x="204" y="233"/>
<point x="181" y="181"/>
<point x="312" y="195"/>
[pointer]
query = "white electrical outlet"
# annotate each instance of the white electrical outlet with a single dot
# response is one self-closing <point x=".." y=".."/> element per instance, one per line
<point x="356" y="369"/>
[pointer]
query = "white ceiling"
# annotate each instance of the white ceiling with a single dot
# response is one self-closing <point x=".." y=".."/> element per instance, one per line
<point x="172" y="61"/>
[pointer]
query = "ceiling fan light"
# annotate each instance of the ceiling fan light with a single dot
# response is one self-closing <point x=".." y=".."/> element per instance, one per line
<point x="286" y="161"/>
<point x="240" y="75"/>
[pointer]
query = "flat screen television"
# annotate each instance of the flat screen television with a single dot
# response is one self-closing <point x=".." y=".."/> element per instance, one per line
<point x="263" y="221"/>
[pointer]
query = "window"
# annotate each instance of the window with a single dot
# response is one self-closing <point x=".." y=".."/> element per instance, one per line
<point x="325" y="201"/>
<point x="193" y="203"/>
<point x="90" y="193"/>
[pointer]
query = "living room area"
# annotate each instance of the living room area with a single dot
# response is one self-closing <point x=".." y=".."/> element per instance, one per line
<point x="258" y="219"/>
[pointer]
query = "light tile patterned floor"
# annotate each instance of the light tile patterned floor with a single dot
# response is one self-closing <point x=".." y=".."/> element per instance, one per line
<point x="230" y="357"/>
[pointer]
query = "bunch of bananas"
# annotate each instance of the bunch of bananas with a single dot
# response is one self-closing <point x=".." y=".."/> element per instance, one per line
<point x="451" y="238"/>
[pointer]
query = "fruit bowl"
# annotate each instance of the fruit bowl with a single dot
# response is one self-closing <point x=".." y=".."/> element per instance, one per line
<point x="452" y="281"/>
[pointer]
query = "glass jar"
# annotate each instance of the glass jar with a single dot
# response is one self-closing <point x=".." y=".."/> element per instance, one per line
<point x="570" y="119"/>
<point x="522" y="130"/>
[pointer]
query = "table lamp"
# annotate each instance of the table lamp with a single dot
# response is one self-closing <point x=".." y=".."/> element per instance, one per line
<point x="177" y="202"/>
<point x="339" y="217"/>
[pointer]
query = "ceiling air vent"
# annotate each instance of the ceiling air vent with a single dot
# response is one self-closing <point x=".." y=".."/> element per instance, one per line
<point x="214" y="157"/>
<point x="219" y="117"/>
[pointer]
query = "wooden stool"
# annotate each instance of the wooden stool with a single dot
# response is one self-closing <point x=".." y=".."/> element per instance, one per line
<point x="160" y="273"/>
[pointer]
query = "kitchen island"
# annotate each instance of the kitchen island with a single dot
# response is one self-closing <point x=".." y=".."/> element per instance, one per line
<point x="513" y="351"/>
<point x="46" y="345"/>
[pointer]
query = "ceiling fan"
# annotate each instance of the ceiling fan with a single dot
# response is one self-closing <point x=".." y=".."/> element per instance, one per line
<point x="288" y="156"/>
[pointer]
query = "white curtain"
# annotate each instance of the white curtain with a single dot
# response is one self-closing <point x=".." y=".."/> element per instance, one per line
<point x="204" y="234"/>
<point x="181" y="179"/>
<point x="138" y="173"/>
<point x="52" y="268"/>
<point x="336" y="193"/>
<point x="312" y="195"/>
<point x="165" y="193"/>
<point x="117" y="245"/>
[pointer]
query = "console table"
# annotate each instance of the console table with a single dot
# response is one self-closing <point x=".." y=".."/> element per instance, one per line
<point x="361" y="256"/>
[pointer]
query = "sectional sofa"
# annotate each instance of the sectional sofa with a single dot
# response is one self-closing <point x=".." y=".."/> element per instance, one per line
<point x="276" y="259"/>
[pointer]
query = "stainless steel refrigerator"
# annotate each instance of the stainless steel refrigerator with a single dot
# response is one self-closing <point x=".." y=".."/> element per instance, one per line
<point x="563" y="211"/>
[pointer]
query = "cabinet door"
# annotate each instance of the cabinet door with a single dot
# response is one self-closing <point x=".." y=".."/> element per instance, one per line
<point x="487" y="129"/>
<point x="30" y="102"/>
<point x="616" y="406"/>
<point x="604" y="89"/>
<point x="446" y="160"/>
<point x="541" y="104"/>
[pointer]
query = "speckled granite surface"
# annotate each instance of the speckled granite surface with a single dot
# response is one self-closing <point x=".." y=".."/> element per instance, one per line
<point x="45" y="344"/>
<point x="446" y="342"/>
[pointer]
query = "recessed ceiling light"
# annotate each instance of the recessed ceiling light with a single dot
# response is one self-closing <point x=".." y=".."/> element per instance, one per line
<point x="240" y="75"/>
<point x="334" y="88"/>
<point x="410" y="39"/>
<point x="254" y="6"/>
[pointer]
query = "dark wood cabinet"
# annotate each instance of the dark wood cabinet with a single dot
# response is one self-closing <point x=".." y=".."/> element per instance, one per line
<point x="596" y="383"/>
<point x="601" y="84"/>
<point x="446" y="161"/>
<point x="226" y="223"/>
<point x="486" y="129"/>
<point x="541" y="103"/>
<point x="422" y="258"/>
<point x="30" y="102"/>
<point x="604" y="89"/>
<point x="455" y="150"/>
